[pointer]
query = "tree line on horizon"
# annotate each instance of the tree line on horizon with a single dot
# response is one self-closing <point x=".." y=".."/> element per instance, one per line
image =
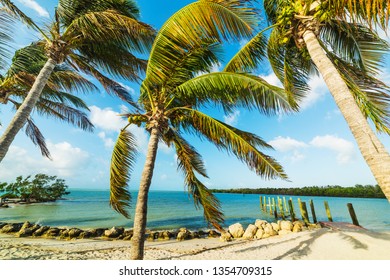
<point x="362" y="191"/>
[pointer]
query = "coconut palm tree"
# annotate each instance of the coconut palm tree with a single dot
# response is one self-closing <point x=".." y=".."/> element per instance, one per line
<point x="94" y="37"/>
<point x="55" y="101"/>
<point x="338" y="40"/>
<point x="172" y="96"/>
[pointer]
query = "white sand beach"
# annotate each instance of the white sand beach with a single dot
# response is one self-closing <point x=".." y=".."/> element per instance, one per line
<point x="320" y="244"/>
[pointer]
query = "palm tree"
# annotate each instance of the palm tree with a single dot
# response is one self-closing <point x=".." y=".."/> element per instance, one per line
<point x="55" y="100"/>
<point x="338" y="39"/>
<point x="171" y="98"/>
<point x="94" y="37"/>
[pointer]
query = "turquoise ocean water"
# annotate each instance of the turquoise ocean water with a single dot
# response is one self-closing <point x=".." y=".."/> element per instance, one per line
<point x="171" y="210"/>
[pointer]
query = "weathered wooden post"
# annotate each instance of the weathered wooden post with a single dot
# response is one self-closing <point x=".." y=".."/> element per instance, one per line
<point x="313" y="212"/>
<point x="273" y="204"/>
<point x="353" y="214"/>
<point x="328" y="211"/>
<point x="285" y="204"/>
<point x="292" y="214"/>
<point x="304" y="214"/>
<point x="280" y="204"/>
<point x="265" y="204"/>
<point x="261" y="203"/>
<point x="270" y="205"/>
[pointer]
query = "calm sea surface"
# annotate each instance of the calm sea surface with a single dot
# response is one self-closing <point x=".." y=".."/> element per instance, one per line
<point x="171" y="210"/>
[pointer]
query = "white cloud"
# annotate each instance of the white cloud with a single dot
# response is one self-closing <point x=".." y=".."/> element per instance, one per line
<point x="108" y="142"/>
<point x="110" y="123"/>
<point x="232" y="118"/>
<point x="317" y="91"/>
<point x="35" y="6"/>
<point x="106" y="119"/>
<point x="345" y="150"/>
<point x="67" y="161"/>
<point x="285" y="144"/>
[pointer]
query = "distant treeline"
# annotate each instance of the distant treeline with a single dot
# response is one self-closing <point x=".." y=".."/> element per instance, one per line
<point x="367" y="191"/>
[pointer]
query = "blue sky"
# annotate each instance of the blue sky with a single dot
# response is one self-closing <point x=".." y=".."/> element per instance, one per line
<point x="314" y="146"/>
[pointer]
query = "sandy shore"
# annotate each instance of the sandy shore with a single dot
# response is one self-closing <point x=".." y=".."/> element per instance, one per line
<point x="321" y="244"/>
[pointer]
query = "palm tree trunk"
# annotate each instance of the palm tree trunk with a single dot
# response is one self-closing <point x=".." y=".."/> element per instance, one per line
<point x="26" y="108"/>
<point x="141" y="210"/>
<point x="373" y="151"/>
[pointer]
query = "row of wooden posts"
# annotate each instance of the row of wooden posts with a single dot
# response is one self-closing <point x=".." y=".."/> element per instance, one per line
<point x="286" y="208"/>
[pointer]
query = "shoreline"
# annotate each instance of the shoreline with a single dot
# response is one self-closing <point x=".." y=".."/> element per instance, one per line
<point x="334" y="241"/>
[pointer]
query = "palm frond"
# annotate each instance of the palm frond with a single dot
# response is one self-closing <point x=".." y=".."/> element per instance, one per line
<point x="373" y="12"/>
<point x="234" y="90"/>
<point x="243" y="145"/>
<point x="33" y="132"/>
<point x="69" y="10"/>
<point x="110" y="28"/>
<point x="189" y="158"/>
<point x="292" y="71"/>
<point x="198" y="21"/>
<point x="111" y="87"/>
<point x="249" y="56"/>
<point x="63" y="112"/>
<point x="5" y="38"/>
<point x="29" y="59"/>
<point x="116" y="60"/>
<point x="15" y="11"/>
<point x="68" y="80"/>
<point x="64" y="98"/>
<point x="371" y="94"/>
<point x="122" y="162"/>
<point x="355" y="44"/>
<point x="188" y="161"/>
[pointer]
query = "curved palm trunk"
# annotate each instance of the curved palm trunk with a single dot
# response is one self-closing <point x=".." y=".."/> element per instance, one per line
<point x="373" y="151"/>
<point x="141" y="210"/>
<point x="26" y="108"/>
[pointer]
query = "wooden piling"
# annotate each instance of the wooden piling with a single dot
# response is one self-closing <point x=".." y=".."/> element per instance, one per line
<point x="265" y="204"/>
<point x="353" y="214"/>
<point x="261" y="203"/>
<point x="280" y="204"/>
<point x="292" y="214"/>
<point x="328" y="211"/>
<point x="270" y="206"/>
<point x="273" y="204"/>
<point x="313" y="212"/>
<point x="305" y="216"/>
<point x="285" y="204"/>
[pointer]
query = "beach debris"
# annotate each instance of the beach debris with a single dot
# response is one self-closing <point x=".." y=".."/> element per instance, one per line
<point x="250" y="232"/>
<point x="236" y="230"/>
